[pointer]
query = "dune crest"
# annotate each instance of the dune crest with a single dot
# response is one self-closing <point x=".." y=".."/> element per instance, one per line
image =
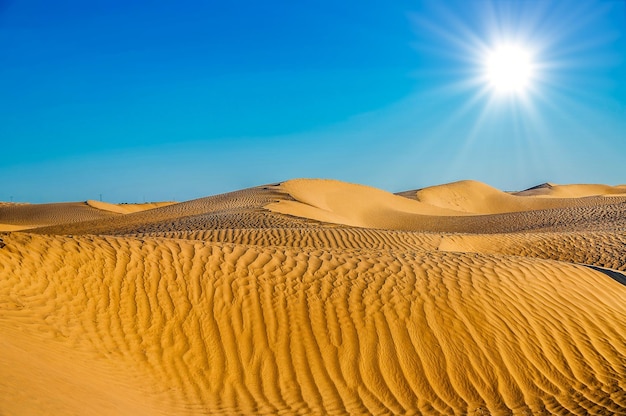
<point x="127" y="208"/>
<point x="456" y="207"/>
<point x="471" y="197"/>
<point x="351" y="204"/>
<point x="39" y="215"/>
<point x="478" y="198"/>
<point x="574" y="191"/>
<point x="15" y="227"/>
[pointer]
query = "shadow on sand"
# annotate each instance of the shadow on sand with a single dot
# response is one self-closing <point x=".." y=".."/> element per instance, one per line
<point x="615" y="275"/>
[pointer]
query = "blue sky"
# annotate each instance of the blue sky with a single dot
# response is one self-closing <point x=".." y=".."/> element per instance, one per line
<point x="178" y="100"/>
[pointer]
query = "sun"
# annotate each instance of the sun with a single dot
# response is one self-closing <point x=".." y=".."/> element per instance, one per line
<point x="509" y="69"/>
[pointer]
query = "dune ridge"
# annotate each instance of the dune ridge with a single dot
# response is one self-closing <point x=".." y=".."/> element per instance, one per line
<point x="350" y="204"/>
<point x="238" y="209"/>
<point x="39" y="215"/>
<point x="479" y="198"/>
<point x="574" y="191"/>
<point x="319" y="297"/>
<point x="127" y="208"/>
<point x="14" y="217"/>
<point x="446" y="208"/>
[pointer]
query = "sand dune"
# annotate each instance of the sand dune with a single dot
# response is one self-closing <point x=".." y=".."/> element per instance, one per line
<point x="319" y="297"/>
<point x="38" y="215"/>
<point x="478" y="198"/>
<point x="261" y="330"/>
<point x="27" y="216"/>
<point x="350" y="204"/>
<point x="574" y="191"/>
<point x="239" y="209"/>
<point x="14" y="227"/>
<point x="444" y="208"/>
<point x="603" y="249"/>
<point x="308" y="203"/>
<point x="127" y="208"/>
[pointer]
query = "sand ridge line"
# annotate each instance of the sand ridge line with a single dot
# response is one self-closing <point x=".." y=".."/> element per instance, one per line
<point x="353" y="205"/>
<point x="37" y="215"/>
<point x="574" y="191"/>
<point x="238" y="209"/>
<point x="127" y="208"/>
<point x="613" y="274"/>
<point x="466" y="206"/>
<point x="479" y="198"/>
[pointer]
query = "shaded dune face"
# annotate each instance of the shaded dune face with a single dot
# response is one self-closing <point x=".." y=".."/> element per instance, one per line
<point x="222" y="329"/>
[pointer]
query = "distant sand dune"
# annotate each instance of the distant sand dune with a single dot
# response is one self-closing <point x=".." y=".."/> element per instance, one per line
<point x="37" y="215"/>
<point x="349" y="204"/>
<point x="574" y="191"/>
<point x="446" y="208"/>
<point x="239" y="209"/>
<point x="334" y="203"/>
<point x="27" y="216"/>
<point x="127" y="208"/>
<point x="479" y="198"/>
<point x="317" y="297"/>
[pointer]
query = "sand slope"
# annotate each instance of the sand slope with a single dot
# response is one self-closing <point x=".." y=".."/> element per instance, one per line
<point x="478" y="198"/>
<point x="573" y="191"/>
<point x="239" y="209"/>
<point x="319" y="297"/>
<point x="38" y="215"/>
<point x="28" y="216"/>
<point x="457" y="207"/>
<point x="239" y="329"/>
<point x="309" y="203"/>
<point x="127" y="208"/>
<point x="351" y="204"/>
<point x="603" y="249"/>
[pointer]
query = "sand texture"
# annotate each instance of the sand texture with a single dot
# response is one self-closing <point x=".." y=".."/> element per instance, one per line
<point x="15" y="217"/>
<point x="319" y="297"/>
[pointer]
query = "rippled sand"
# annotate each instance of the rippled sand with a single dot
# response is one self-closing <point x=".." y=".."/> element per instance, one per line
<point x="320" y="297"/>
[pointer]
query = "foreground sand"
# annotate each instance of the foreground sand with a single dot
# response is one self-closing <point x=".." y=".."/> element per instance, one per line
<point x="320" y="297"/>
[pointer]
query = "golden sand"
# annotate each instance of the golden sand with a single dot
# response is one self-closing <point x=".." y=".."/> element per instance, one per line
<point x="127" y="208"/>
<point x="574" y="191"/>
<point x="320" y="297"/>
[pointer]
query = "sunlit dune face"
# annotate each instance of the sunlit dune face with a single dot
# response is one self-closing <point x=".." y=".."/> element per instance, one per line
<point x="509" y="69"/>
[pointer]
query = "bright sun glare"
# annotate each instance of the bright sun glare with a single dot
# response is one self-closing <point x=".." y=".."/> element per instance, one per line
<point x="509" y="69"/>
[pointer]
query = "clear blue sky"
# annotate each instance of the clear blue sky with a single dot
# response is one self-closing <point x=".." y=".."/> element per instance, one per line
<point x="176" y="100"/>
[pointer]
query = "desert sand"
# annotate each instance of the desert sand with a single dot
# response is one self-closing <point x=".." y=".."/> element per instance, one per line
<point x="318" y="297"/>
<point x="15" y="217"/>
